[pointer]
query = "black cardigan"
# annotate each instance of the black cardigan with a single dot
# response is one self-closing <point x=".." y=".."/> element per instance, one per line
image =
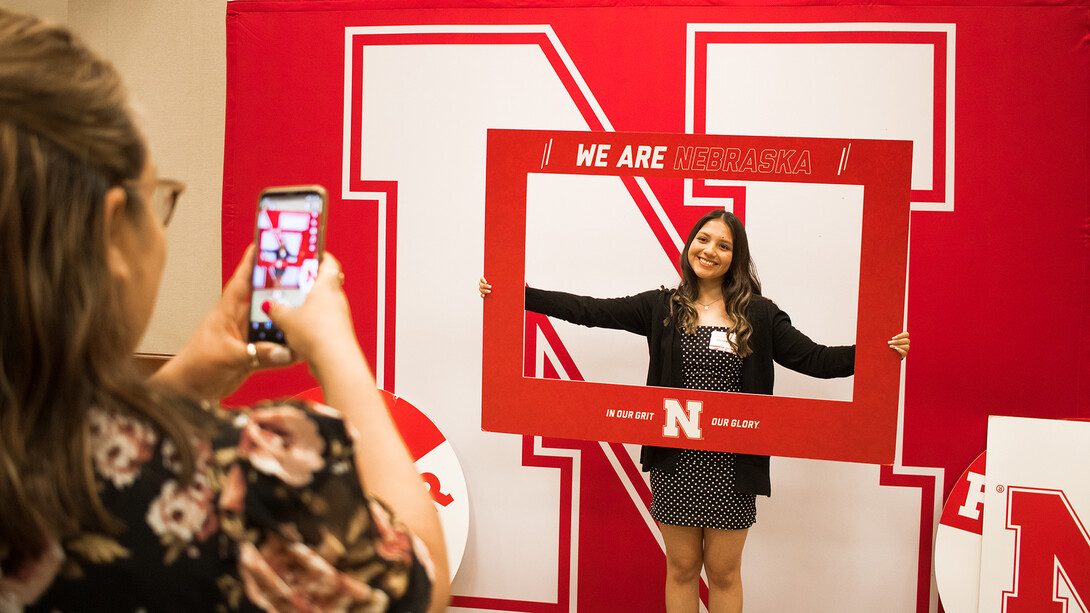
<point x="774" y="339"/>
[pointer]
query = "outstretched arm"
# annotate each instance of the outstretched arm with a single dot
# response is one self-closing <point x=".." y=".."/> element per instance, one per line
<point x="321" y="333"/>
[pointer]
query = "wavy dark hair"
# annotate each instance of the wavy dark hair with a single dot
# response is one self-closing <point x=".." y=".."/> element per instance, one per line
<point x="66" y="138"/>
<point x="739" y="284"/>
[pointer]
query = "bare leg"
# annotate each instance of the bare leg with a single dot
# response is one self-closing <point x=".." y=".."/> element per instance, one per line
<point x="723" y="561"/>
<point x="684" y="559"/>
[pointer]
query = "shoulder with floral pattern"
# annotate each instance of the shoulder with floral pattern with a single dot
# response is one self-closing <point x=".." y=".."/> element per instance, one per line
<point x="306" y="530"/>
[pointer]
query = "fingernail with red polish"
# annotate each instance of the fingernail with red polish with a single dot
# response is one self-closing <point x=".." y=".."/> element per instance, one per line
<point x="266" y="307"/>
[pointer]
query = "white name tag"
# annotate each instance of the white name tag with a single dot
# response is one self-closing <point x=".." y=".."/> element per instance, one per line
<point x="719" y="341"/>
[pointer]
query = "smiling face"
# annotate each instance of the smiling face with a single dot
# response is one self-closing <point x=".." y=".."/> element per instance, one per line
<point x="712" y="250"/>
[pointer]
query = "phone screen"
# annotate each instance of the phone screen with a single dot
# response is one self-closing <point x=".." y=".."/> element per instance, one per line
<point x="289" y="242"/>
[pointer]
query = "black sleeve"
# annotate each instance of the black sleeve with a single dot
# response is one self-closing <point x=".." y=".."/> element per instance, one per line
<point x="631" y="313"/>
<point x="793" y="349"/>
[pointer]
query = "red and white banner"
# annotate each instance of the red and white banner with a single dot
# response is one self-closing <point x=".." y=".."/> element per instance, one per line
<point x="1035" y="555"/>
<point x="957" y="541"/>
<point x="389" y="106"/>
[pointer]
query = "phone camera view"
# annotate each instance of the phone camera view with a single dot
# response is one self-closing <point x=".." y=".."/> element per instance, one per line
<point x="288" y="250"/>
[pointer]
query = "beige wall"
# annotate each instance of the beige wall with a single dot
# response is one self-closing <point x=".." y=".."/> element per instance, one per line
<point x="172" y="54"/>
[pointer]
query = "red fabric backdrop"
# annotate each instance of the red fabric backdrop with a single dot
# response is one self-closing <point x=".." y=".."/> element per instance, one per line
<point x="999" y="288"/>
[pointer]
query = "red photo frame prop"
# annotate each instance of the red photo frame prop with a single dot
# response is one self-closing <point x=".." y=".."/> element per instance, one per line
<point x="860" y="430"/>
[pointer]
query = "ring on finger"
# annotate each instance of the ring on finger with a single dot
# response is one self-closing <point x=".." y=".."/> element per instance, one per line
<point x="251" y="350"/>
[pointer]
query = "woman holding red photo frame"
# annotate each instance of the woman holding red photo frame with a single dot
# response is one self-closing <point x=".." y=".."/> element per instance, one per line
<point x="716" y="332"/>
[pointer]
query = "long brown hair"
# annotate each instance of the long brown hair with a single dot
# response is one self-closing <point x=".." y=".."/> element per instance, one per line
<point x="740" y="283"/>
<point x="66" y="137"/>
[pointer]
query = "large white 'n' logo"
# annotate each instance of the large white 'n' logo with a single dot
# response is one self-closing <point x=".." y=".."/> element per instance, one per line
<point x="688" y="418"/>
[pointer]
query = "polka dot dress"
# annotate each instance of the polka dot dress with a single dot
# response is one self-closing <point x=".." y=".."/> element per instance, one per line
<point x="700" y="491"/>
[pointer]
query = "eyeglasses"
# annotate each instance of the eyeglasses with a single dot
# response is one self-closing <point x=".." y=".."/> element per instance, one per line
<point x="165" y="198"/>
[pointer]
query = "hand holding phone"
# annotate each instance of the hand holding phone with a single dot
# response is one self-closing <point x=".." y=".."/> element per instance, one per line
<point x="321" y="331"/>
<point x="289" y="239"/>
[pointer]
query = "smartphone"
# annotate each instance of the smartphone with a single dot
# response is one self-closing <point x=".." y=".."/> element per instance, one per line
<point x="289" y="238"/>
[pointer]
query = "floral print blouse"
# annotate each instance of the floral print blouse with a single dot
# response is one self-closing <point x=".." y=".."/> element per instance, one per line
<point x="274" y="520"/>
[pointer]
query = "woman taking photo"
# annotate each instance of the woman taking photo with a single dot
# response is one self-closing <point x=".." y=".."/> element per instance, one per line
<point x="713" y="332"/>
<point x="122" y="492"/>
